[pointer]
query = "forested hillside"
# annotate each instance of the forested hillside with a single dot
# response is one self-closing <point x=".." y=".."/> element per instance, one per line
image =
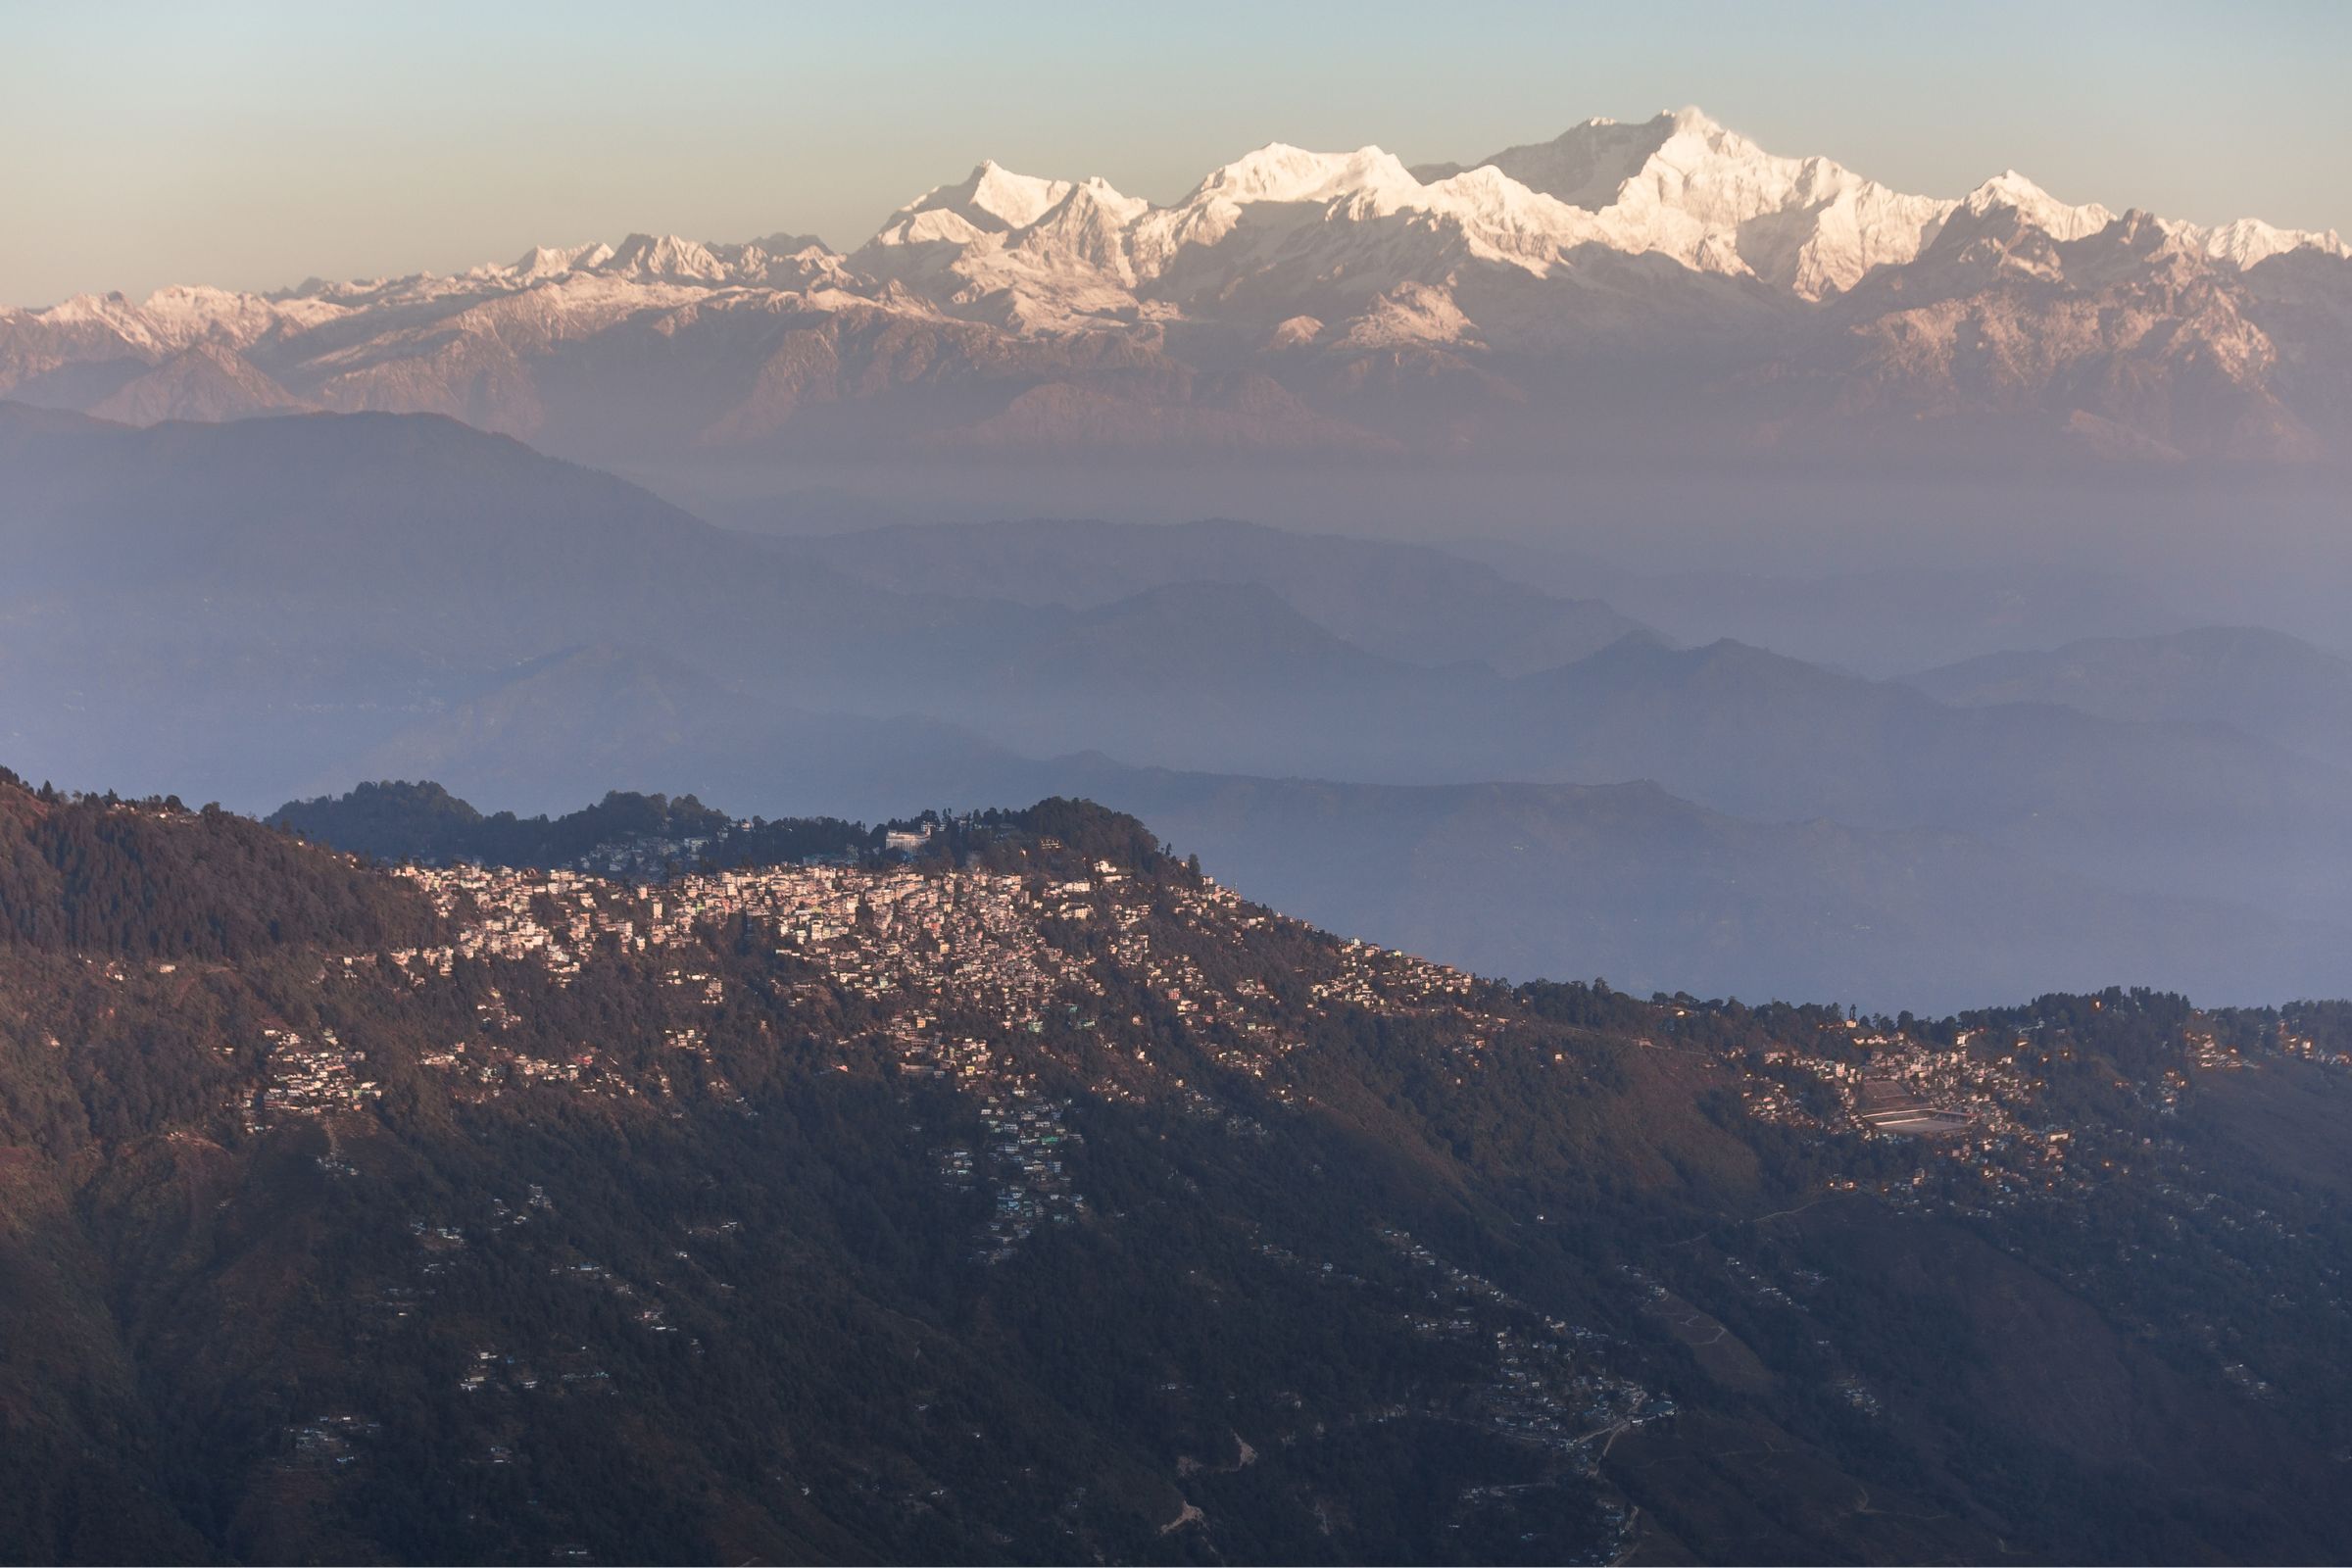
<point x="424" y="823"/>
<point x="1026" y="1196"/>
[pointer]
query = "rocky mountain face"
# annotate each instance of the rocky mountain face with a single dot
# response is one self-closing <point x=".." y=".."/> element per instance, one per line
<point x="1620" y="282"/>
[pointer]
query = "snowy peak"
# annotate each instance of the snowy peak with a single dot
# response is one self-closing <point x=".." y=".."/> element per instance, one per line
<point x="1692" y="145"/>
<point x="2038" y="206"/>
<point x="546" y="260"/>
<point x="2249" y="241"/>
<point x="1013" y="201"/>
<point x="1054" y="255"/>
<point x="177" y="316"/>
<point x="1588" y="165"/>
<point x="991" y="200"/>
<point x="1281" y="172"/>
<point x="1388" y="293"/>
<point x="666" y="259"/>
<point x="1087" y="230"/>
<point x="1681" y="184"/>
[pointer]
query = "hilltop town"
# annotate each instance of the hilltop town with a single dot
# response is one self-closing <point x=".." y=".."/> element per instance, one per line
<point x="1117" y="1203"/>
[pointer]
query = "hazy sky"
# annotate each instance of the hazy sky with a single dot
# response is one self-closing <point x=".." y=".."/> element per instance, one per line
<point x="254" y="145"/>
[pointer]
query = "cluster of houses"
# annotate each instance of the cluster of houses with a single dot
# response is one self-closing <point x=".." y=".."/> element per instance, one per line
<point x="1028" y="1141"/>
<point x="326" y="1442"/>
<point x="2291" y="1043"/>
<point x="972" y="985"/>
<point x="306" y="1077"/>
<point x="1976" y="1105"/>
<point x="1000" y="983"/>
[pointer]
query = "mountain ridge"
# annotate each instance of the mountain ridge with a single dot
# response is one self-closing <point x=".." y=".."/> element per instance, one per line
<point x="2257" y="681"/>
<point x="1006" y="1188"/>
<point x="1297" y="301"/>
<point x="284" y="606"/>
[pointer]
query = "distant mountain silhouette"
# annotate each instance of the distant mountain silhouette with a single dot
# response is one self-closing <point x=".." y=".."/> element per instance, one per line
<point x="282" y="607"/>
<point x="1410" y="602"/>
<point x="2262" y="683"/>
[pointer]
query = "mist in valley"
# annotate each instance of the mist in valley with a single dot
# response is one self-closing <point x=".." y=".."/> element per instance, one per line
<point x="1730" y="734"/>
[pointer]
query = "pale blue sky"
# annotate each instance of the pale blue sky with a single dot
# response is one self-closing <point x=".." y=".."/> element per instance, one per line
<point x="254" y="145"/>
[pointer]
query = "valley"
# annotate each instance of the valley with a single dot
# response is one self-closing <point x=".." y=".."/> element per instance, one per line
<point x="1390" y="739"/>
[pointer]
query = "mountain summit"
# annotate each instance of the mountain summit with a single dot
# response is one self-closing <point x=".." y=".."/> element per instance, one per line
<point x="1340" y="301"/>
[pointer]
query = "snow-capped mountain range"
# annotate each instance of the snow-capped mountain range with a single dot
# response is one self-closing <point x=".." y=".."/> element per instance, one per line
<point x="1620" y="277"/>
